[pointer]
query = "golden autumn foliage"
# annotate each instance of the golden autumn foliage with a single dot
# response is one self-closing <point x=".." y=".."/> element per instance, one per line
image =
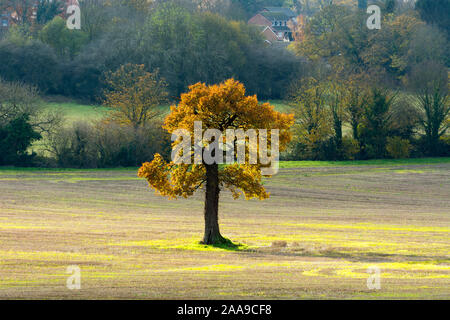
<point x="135" y="95"/>
<point x="223" y="106"/>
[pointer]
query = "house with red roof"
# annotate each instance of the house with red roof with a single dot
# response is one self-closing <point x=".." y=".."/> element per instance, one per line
<point x="276" y="23"/>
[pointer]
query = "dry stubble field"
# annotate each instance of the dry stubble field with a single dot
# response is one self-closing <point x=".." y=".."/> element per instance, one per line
<point x="314" y="238"/>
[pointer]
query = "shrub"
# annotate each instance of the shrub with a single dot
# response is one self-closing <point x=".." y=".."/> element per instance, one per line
<point x="74" y="147"/>
<point x="103" y="145"/>
<point x="27" y="61"/>
<point x="15" y="138"/>
<point x="444" y="146"/>
<point x="398" y="148"/>
<point x="350" y="148"/>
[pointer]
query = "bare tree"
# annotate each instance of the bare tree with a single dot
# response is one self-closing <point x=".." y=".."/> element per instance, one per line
<point x="17" y="99"/>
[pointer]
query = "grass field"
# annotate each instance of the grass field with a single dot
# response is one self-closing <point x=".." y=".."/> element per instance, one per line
<point x="323" y="226"/>
<point x="74" y="112"/>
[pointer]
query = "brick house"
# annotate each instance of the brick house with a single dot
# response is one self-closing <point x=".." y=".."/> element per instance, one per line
<point x="10" y="15"/>
<point x="277" y="23"/>
<point x="5" y="19"/>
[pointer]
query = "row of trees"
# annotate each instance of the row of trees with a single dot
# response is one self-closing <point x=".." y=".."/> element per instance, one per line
<point x="378" y="123"/>
<point x="191" y="41"/>
<point x="338" y="37"/>
<point x="374" y="93"/>
<point x="184" y="42"/>
<point x="129" y="134"/>
<point x="341" y="111"/>
<point x="334" y="120"/>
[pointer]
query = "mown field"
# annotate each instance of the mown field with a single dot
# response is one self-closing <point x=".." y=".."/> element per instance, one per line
<point x="323" y="226"/>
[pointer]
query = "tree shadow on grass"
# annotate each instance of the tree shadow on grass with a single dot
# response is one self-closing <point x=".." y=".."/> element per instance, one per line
<point x="226" y="244"/>
<point x="379" y="257"/>
<point x="367" y="256"/>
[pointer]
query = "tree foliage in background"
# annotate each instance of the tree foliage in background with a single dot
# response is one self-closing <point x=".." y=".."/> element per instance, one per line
<point x="105" y="145"/>
<point x="430" y="84"/>
<point x="66" y="42"/>
<point x="22" y="121"/>
<point x="134" y="95"/>
<point x="435" y="12"/>
<point x="25" y="62"/>
<point x="185" y="43"/>
<point x="15" y="138"/>
<point x="398" y="148"/>
<point x="47" y="10"/>
<point x="340" y="37"/>
<point x="374" y="128"/>
<point x="192" y="41"/>
<point x="313" y="120"/>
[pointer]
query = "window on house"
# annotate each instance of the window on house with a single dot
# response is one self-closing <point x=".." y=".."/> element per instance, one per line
<point x="4" y="23"/>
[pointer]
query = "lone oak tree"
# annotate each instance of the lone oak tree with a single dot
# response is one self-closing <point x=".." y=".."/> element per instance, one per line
<point x="224" y="106"/>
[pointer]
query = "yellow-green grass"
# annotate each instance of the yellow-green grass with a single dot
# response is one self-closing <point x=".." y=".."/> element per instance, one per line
<point x="315" y="237"/>
<point x="377" y="162"/>
<point x="281" y="106"/>
<point x="75" y="112"/>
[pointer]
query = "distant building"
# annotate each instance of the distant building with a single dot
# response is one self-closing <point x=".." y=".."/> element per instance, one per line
<point x="286" y="11"/>
<point x="5" y="19"/>
<point x="10" y="15"/>
<point x="276" y="23"/>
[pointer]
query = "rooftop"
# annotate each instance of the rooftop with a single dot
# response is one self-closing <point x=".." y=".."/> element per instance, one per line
<point x="288" y="12"/>
<point x="278" y="16"/>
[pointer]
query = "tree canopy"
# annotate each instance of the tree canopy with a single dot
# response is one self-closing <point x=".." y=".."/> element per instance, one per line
<point x="222" y="106"/>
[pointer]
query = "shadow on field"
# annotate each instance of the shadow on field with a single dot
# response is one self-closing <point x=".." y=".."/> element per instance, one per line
<point x="229" y="246"/>
<point x="226" y="244"/>
<point x="337" y="254"/>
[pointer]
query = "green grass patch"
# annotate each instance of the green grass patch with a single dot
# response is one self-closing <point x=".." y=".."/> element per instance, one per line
<point x="379" y="162"/>
<point x="74" y="112"/>
<point x="283" y="164"/>
<point x="281" y="106"/>
<point x="183" y="244"/>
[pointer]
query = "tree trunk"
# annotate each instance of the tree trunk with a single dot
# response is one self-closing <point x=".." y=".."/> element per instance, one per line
<point x="212" y="233"/>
